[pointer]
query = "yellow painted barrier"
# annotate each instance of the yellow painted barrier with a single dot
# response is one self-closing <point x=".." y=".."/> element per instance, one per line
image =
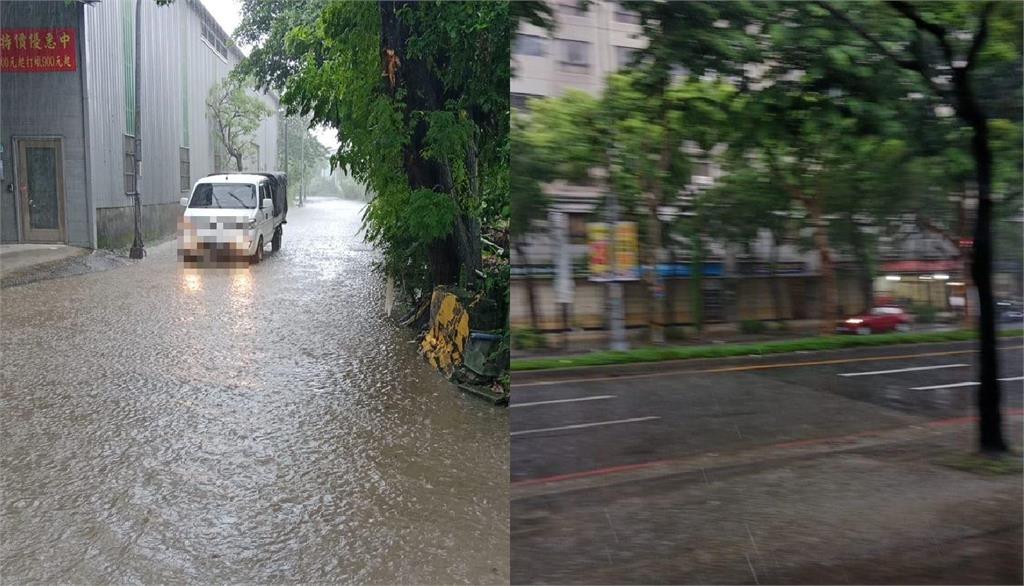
<point x="444" y="343"/>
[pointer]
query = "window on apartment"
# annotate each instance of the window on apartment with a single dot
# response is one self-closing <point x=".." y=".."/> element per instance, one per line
<point x="218" y="161"/>
<point x="624" y="15"/>
<point x="624" y="56"/>
<point x="575" y="54"/>
<point x="522" y="101"/>
<point x="572" y="7"/>
<point x="531" y="45"/>
<point x="130" y="180"/>
<point x="184" y="169"/>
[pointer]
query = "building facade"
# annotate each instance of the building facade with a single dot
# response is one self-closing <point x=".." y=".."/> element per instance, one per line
<point x="68" y="119"/>
<point x="774" y="277"/>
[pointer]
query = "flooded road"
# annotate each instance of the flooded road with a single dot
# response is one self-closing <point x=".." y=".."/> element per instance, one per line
<point x="267" y="424"/>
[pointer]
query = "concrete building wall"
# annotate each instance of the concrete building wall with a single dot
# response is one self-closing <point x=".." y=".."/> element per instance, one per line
<point x="604" y="26"/>
<point x="44" y="104"/>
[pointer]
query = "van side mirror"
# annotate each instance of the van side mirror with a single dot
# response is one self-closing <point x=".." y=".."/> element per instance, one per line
<point x="184" y="202"/>
<point x="267" y="204"/>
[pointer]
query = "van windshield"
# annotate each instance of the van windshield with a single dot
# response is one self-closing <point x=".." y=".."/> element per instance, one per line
<point x="224" y="195"/>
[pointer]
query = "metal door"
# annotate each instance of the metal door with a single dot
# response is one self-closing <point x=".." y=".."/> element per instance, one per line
<point x="41" y="189"/>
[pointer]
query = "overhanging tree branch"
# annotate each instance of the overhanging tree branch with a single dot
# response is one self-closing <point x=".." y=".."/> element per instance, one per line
<point x="980" y="36"/>
<point x="915" y="65"/>
<point x="936" y="30"/>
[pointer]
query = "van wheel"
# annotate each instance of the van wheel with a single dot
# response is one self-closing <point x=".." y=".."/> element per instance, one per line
<point x="258" y="255"/>
<point x="275" y="242"/>
<point x="863" y="331"/>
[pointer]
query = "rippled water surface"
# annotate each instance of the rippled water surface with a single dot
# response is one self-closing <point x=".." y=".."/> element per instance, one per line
<point x="265" y="424"/>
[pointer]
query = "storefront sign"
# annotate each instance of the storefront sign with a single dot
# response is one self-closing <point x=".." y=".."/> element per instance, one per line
<point x="627" y="252"/>
<point x="37" y="50"/>
<point x="626" y="265"/>
<point x="597" y="245"/>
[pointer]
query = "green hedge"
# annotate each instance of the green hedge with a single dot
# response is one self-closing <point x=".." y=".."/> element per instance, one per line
<point x="726" y="350"/>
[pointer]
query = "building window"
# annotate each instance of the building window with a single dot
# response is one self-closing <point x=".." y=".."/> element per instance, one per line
<point x="211" y="33"/>
<point x="575" y="54"/>
<point x="218" y="161"/>
<point x="624" y="56"/>
<point x="627" y="16"/>
<point x="130" y="180"/>
<point x="577" y="228"/>
<point x="184" y="169"/>
<point x="572" y="7"/>
<point x="531" y="45"/>
<point x="521" y="101"/>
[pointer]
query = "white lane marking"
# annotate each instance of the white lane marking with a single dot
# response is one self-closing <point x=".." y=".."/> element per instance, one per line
<point x="583" y="425"/>
<point x="594" y="398"/>
<point x="967" y="384"/>
<point x="903" y="370"/>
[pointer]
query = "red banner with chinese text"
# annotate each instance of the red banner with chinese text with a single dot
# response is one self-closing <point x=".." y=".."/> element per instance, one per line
<point x="34" y="50"/>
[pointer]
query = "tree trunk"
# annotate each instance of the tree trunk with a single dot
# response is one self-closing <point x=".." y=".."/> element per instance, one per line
<point x="990" y="436"/>
<point x="829" y="294"/>
<point x="696" y="281"/>
<point x="773" y="278"/>
<point x="656" y="314"/>
<point x="865" y="278"/>
<point x="458" y="256"/>
<point x="238" y="161"/>
<point x="530" y="293"/>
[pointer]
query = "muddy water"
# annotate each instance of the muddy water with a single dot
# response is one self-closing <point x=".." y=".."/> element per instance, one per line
<point x="267" y="424"/>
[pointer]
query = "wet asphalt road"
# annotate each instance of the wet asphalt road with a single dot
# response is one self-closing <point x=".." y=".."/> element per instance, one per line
<point x="667" y="412"/>
<point x="725" y="471"/>
<point x="266" y="424"/>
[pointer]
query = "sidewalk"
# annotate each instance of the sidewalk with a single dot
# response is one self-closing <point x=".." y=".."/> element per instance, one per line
<point x="883" y="507"/>
<point x="21" y="264"/>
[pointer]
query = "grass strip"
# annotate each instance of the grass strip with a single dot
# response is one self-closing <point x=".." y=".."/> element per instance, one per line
<point x="658" y="354"/>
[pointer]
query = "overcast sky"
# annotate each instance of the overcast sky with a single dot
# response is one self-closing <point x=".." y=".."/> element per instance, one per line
<point x="228" y="16"/>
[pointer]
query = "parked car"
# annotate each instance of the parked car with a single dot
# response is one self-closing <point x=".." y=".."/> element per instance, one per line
<point x="879" y="319"/>
<point x="234" y="216"/>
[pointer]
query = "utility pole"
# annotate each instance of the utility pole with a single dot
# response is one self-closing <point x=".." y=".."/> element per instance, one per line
<point x="617" y="311"/>
<point x="138" y="249"/>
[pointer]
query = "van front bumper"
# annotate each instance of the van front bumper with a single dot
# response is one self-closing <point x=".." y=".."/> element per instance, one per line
<point x="232" y="245"/>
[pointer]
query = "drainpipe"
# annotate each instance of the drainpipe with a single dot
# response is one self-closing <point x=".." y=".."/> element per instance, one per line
<point x="138" y="250"/>
<point x="86" y="127"/>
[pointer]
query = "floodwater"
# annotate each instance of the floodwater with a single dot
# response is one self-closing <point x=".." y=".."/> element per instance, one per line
<point x="265" y="424"/>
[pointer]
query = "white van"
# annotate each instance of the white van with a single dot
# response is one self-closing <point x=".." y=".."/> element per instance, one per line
<point x="233" y="215"/>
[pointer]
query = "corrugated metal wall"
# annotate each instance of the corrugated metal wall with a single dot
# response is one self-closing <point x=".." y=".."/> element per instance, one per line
<point x="178" y="66"/>
<point x="178" y="70"/>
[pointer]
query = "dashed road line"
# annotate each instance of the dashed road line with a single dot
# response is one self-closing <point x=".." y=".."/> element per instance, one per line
<point x="911" y="369"/>
<point x="584" y="425"/>
<point x="553" y="401"/>
<point x="966" y="384"/>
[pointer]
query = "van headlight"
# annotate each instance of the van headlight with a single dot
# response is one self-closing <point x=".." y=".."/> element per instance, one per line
<point x="251" y="224"/>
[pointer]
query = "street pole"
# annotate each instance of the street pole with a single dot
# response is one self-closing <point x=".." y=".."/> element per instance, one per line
<point x="286" y="144"/>
<point x="615" y="297"/>
<point x="138" y="249"/>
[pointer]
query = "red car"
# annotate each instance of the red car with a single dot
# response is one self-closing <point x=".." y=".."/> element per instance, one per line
<point x="879" y="319"/>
